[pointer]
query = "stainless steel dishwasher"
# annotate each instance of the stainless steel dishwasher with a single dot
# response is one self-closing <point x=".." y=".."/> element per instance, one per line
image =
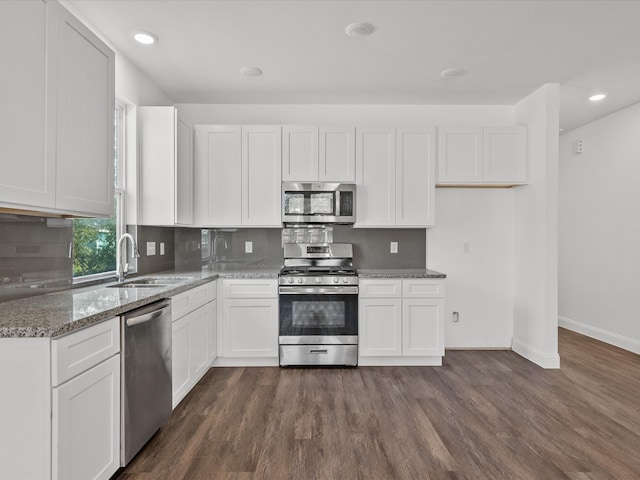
<point x="145" y="375"/>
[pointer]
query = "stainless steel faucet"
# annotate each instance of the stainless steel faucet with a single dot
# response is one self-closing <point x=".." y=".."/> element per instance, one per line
<point x="122" y="270"/>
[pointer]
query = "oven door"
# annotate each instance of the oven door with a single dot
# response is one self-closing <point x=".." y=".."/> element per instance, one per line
<point x="318" y="315"/>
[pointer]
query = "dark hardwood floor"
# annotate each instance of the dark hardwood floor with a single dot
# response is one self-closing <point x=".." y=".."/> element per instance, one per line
<point x="483" y="415"/>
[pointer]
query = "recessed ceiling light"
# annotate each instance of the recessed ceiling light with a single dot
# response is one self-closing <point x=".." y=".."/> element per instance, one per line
<point x="145" y="38"/>
<point x="597" y="97"/>
<point x="453" y="72"/>
<point x="360" y="29"/>
<point x="251" y="71"/>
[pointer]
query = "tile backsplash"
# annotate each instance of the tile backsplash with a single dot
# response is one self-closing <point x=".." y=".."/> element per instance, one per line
<point x="35" y="252"/>
<point x="371" y="246"/>
<point x="35" y="255"/>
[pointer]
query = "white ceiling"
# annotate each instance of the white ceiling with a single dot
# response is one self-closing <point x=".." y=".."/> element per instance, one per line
<point x="509" y="48"/>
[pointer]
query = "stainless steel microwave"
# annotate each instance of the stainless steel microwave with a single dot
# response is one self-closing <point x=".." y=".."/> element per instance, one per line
<point x="320" y="202"/>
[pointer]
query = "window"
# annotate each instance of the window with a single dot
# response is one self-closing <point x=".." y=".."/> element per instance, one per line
<point x="94" y="239"/>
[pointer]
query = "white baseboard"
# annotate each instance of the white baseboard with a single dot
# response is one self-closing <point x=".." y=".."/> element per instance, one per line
<point x="605" y="336"/>
<point x="400" y="361"/>
<point x="246" y="362"/>
<point x="545" y="360"/>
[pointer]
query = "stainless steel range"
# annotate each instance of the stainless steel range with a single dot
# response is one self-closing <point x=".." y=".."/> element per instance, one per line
<point x="318" y="293"/>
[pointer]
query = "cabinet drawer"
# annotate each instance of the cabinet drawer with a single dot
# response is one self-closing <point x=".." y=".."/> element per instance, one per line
<point x="422" y="288"/>
<point x="258" y="288"/>
<point x="188" y="301"/>
<point x="385" y="288"/>
<point x="79" y="351"/>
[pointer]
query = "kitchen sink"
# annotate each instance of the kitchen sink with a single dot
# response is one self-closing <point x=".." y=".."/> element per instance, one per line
<point x="150" y="282"/>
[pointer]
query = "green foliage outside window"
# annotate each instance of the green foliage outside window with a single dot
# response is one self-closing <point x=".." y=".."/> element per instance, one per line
<point x="94" y="244"/>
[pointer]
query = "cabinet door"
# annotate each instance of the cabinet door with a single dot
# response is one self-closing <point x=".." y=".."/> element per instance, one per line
<point x="86" y="424"/>
<point x="199" y="343"/>
<point x="376" y="176"/>
<point x="157" y="164"/>
<point x="299" y="153"/>
<point x="184" y="174"/>
<point x="380" y="327"/>
<point x="261" y="176"/>
<point x="250" y="327"/>
<point x="85" y="105"/>
<point x="415" y="177"/>
<point x="27" y="169"/>
<point x="460" y="155"/>
<point x="337" y="160"/>
<point x="218" y="173"/>
<point x="504" y="155"/>
<point x="180" y="361"/>
<point x="423" y="327"/>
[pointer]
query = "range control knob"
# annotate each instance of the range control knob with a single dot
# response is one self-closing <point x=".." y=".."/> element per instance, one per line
<point x="336" y="279"/>
<point x="345" y="280"/>
<point x="300" y="280"/>
<point x="290" y="280"/>
<point x="318" y="280"/>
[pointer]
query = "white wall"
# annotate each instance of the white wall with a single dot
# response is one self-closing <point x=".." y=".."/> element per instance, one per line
<point x="535" y="332"/>
<point x="480" y="282"/>
<point x="459" y="115"/>
<point x="599" y="253"/>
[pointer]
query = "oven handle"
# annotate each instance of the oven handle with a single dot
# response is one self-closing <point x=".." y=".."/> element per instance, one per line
<point x="285" y="290"/>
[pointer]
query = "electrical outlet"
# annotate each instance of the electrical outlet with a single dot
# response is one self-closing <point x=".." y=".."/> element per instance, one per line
<point x="161" y="248"/>
<point x="151" y="249"/>
<point x="248" y="247"/>
<point x="393" y="248"/>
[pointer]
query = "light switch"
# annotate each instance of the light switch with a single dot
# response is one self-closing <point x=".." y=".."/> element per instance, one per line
<point x="161" y="248"/>
<point x="248" y="247"/>
<point x="394" y="247"/>
<point x="466" y="247"/>
<point x="151" y="248"/>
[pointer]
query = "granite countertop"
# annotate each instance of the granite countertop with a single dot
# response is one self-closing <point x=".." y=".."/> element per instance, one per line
<point x="63" y="312"/>
<point x="399" y="273"/>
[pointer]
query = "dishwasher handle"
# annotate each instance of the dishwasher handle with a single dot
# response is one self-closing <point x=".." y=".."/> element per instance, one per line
<point x="132" y="321"/>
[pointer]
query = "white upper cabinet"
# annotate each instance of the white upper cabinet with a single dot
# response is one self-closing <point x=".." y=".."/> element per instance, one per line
<point x="238" y="175"/>
<point x="218" y="171"/>
<point x="460" y="159"/>
<point x="311" y="154"/>
<point x="395" y="177"/>
<point x="261" y="177"/>
<point x="475" y="156"/>
<point x="376" y="174"/>
<point x="299" y="153"/>
<point x="337" y="154"/>
<point x="504" y="153"/>
<point x="415" y="177"/>
<point x="62" y="84"/>
<point x="27" y="169"/>
<point x="165" y="168"/>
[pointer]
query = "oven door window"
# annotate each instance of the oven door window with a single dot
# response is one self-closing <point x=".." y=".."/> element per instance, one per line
<point x="318" y="314"/>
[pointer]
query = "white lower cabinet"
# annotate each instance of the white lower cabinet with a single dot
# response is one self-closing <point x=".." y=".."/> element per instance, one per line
<point x="86" y="424"/>
<point x="85" y="432"/>
<point x="380" y="326"/>
<point x="248" y="327"/>
<point x="193" y="342"/>
<point x="60" y="405"/>
<point x="401" y="322"/>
